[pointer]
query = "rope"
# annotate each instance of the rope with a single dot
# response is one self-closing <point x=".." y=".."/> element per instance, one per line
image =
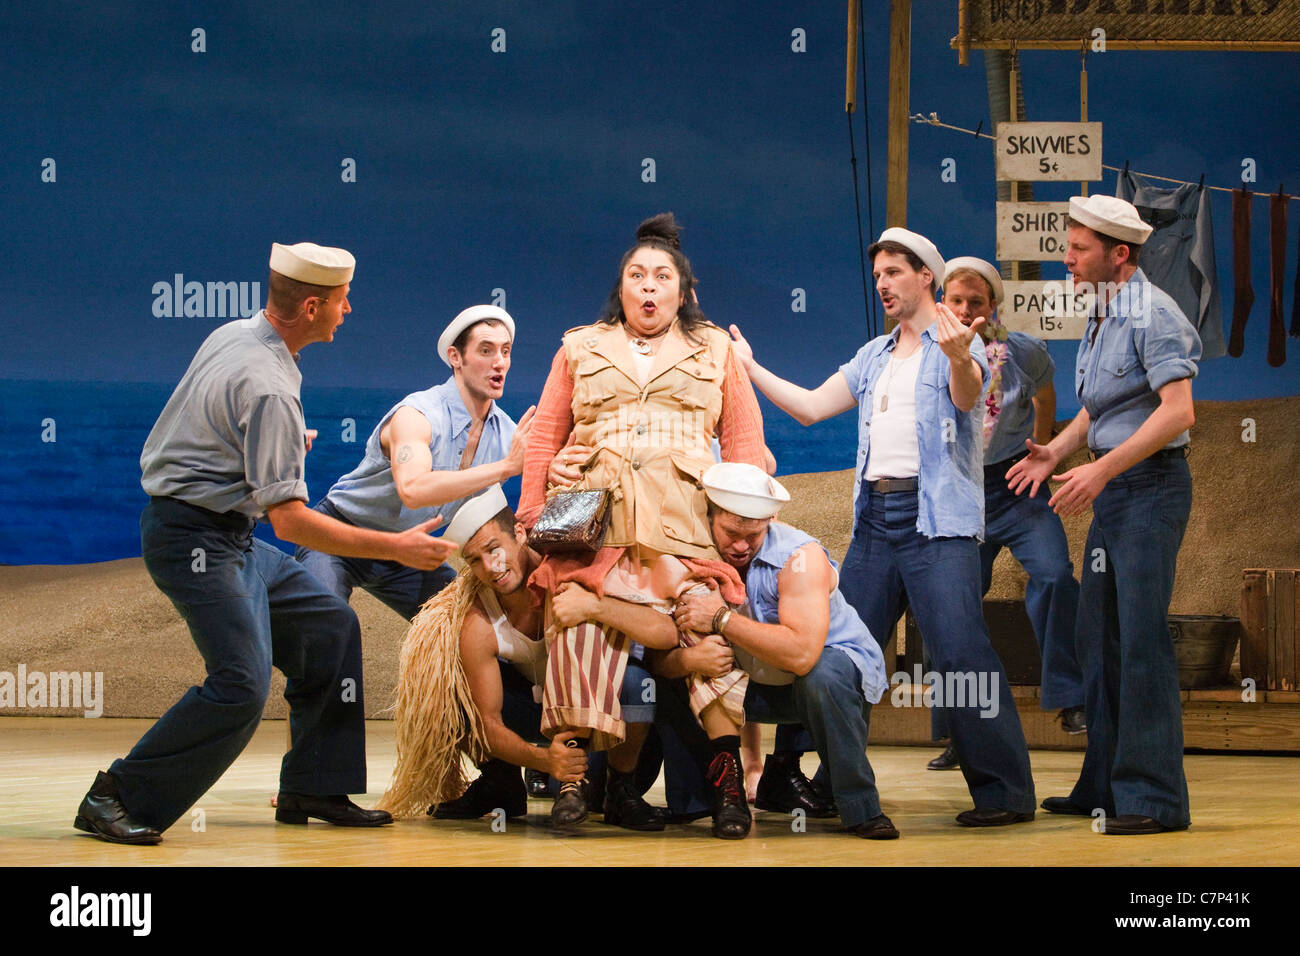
<point x="857" y="206"/>
<point x="933" y="120"/>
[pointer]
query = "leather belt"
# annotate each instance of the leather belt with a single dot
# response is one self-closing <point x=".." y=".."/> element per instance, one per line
<point x="1182" y="451"/>
<point x="889" y="486"/>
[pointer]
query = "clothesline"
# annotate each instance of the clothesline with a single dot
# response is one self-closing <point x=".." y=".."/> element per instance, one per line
<point x="933" y="120"/>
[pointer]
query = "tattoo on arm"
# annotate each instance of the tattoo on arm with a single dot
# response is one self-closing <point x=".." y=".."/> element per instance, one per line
<point x="403" y="454"/>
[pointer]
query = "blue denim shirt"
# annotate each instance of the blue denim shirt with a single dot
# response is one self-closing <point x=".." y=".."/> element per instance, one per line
<point x="367" y="496"/>
<point x="847" y="633"/>
<point x="950" y="486"/>
<point x="1144" y="343"/>
<point x="1027" y="368"/>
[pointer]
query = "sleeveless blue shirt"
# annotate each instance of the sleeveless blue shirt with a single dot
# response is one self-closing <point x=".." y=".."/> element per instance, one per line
<point x="847" y="633"/>
<point x="367" y="496"/>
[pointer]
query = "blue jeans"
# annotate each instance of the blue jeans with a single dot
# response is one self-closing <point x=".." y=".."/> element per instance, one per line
<point x="403" y="589"/>
<point x="826" y="704"/>
<point x="1033" y="532"/>
<point x="249" y="606"/>
<point x="1134" y="761"/>
<point x="890" y="565"/>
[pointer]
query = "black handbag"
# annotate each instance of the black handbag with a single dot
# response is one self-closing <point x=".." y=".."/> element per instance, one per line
<point x="573" y="521"/>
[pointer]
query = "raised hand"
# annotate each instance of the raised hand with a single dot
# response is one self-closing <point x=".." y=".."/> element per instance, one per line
<point x="953" y="337"/>
<point x="519" y="444"/>
<point x="416" y="548"/>
<point x="741" y="349"/>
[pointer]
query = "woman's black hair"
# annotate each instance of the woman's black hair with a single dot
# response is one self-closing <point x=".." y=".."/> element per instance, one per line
<point x="660" y="232"/>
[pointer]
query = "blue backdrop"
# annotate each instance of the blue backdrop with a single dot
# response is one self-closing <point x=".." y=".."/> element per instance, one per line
<point x="503" y="146"/>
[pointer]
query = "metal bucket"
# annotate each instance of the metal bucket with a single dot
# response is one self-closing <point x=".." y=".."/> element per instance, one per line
<point x="1204" y="645"/>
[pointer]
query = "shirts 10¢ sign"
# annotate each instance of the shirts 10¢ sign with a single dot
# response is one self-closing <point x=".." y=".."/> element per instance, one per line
<point x="1049" y="152"/>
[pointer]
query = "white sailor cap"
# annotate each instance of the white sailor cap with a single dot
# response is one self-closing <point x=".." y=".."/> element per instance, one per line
<point x="744" y="490"/>
<point x="987" y="270"/>
<point x="925" y="249"/>
<point x="313" y="264"/>
<point x="1110" y="216"/>
<point x="474" y="514"/>
<point x="475" y="313"/>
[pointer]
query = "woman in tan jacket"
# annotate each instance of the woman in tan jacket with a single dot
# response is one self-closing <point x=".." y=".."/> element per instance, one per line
<point x="642" y="393"/>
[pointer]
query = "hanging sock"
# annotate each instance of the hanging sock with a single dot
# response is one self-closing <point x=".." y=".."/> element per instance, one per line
<point x="1276" y="276"/>
<point x="1243" y="296"/>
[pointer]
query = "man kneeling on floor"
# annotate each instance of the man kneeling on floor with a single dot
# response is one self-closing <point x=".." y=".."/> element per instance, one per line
<point x="810" y="658"/>
<point x="472" y="669"/>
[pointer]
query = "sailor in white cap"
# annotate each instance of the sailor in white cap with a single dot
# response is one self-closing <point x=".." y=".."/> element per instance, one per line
<point x="919" y="503"/>
<point x="429" y="452"/>
<point x="495" y="624"/>
<point x="810" y="659"/>
<point x="1133" y="377"/>
<point x="1020" y="403"/>
<point x="228" y="449"/>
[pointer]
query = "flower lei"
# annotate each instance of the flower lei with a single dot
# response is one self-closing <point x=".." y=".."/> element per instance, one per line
<point x="995" y="349"/>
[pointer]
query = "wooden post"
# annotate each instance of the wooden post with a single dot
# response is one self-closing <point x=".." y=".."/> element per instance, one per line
<point x="1014" y="112"/>
<point x="900" y="71"/>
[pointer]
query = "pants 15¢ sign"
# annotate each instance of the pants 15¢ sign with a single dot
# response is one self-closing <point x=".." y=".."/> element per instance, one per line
<point x="1032" y="230"/>
<point x="1042" y="152"/>
<point x="1045" y="308"/>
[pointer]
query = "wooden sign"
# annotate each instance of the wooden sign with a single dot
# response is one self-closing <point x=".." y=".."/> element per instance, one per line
<point x="1045" y="308"/>
<point x="1128" y="24"/>
<point x="1031" y="230"/>
<point x="1057" y="152"/>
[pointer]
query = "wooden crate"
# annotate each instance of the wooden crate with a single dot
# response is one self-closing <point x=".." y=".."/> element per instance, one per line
<point x="1269" y="612"/>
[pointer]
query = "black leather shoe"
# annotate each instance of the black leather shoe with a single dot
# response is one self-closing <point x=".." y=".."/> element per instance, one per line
<point x="1072" y="721"/>
<point x="570" y="807"/>
<point x="945" y="761"/>
<point x="338" y="809"/>
<point x="1064" y="805"/>
<point x="536" y="783"/>
<point x="625" y="808"/>
<point x="101" y="813"/>
<point x="731" y="816"/>
<point x="992" y="818"/>
<point x="784" y="788"/>
<point x="1128" y="824"/>
<point x="498" y="787"/>
<point x="878" y="828"/>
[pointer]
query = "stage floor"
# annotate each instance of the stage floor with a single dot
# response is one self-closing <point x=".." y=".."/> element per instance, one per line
<point x="1244" y="813"/>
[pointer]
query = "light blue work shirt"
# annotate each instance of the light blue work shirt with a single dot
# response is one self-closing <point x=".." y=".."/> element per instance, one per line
<point x="846" y="633"/>
<point x="232" y="436"/>
<point x="950" y="486"/>
<point x="1028" y="367"/>
<point x="1143" y="343"/>
<point x="367" y="496"/>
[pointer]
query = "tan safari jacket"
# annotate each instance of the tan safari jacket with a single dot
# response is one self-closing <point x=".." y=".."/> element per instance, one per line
<point x="651" y="444"/>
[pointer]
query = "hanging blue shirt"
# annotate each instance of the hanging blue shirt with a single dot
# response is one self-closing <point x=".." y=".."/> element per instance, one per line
<point x="1144" y="343"/>
<point x="367" y="496"/>
<point x="950" y="486"/>
<point x="847" y="633"/>
<point x="1027" y="368"/>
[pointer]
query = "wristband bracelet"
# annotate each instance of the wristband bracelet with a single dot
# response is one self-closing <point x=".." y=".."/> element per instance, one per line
<point x="720" y="619"/>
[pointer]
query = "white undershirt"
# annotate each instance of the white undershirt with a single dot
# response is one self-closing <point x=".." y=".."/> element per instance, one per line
<point x="894" y="452"/>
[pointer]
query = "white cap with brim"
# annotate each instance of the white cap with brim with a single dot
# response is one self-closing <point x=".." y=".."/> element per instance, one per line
<point x="1110" y="216"/>
<point x="475" y="313"/>
<point x="474" y="514"/>
<point x="313" y="264"/>
<point x="744" y="490"/>
<point x="985" y="269"/>
<point x="925" y="249"/>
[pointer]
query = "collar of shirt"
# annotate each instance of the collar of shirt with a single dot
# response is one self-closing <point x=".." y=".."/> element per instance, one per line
<point x="266" y="333"/>
<point x="458" y="413"/>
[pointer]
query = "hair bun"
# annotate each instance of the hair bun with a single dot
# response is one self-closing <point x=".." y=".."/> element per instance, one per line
<point x="663" y="228"/>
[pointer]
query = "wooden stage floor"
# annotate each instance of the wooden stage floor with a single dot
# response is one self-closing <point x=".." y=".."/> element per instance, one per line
<point x="1244" y="812"/>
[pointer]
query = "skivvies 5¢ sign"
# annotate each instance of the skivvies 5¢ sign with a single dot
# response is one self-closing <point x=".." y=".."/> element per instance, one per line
<point x="1058" y="152"/>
